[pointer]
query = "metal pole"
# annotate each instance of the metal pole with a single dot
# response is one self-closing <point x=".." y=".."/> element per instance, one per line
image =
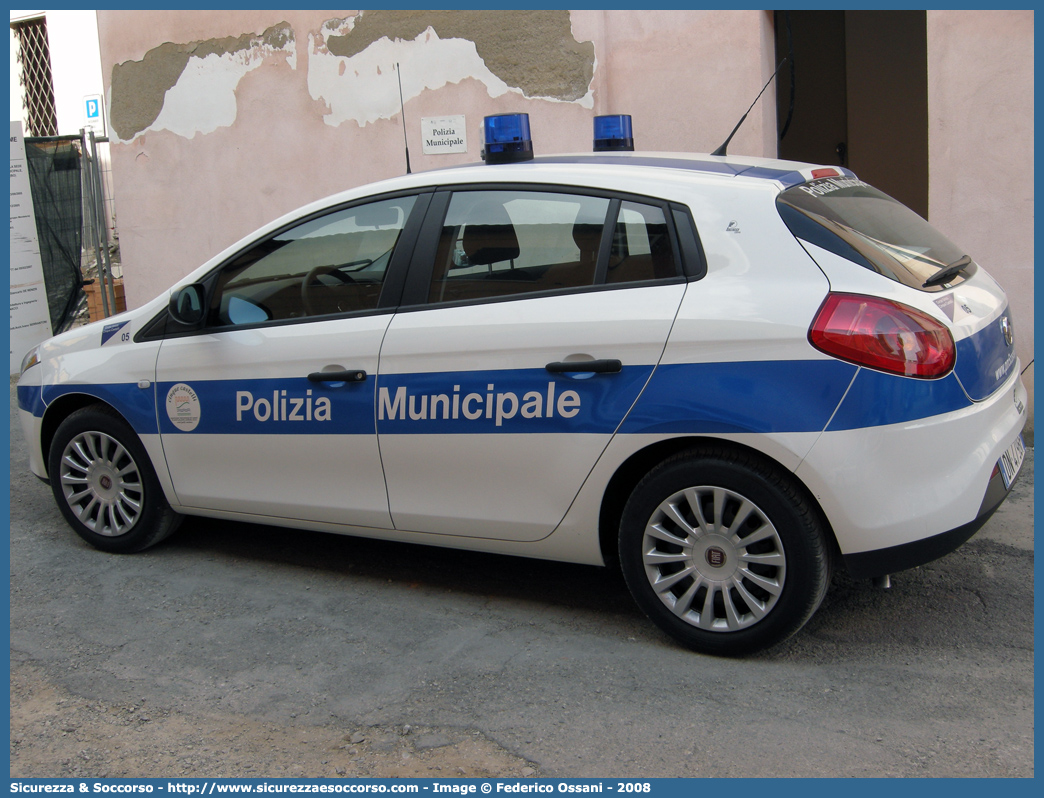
<point x="84" y="202"/>
<point x="104" y="227"/>
<point x="104" y="266"/>
<point x="92" y="212"/>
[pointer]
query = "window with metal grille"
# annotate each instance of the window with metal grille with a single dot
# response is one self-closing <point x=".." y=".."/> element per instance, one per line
<point x="34" y="59"/>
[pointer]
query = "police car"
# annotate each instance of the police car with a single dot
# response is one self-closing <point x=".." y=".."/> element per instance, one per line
<point x="730" y="375"/>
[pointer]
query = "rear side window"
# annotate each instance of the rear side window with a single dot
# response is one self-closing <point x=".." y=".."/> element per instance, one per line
<point x="497" y="243"/>
<point x="507" y="242"/>
<point x="856" y="221"/>
<point x="641" y="247"/>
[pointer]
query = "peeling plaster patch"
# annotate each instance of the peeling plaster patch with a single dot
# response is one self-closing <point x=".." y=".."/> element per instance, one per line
<point x="204" y="98"/>
<point x="533" y="50"/>
<point x="368" y="89"/>
<point x="190" y="88"/>
<point x="138" y="87"/>
<point x="352" y="69"/>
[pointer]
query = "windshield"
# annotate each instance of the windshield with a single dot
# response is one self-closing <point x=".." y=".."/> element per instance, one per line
<point x="856" y="221"/>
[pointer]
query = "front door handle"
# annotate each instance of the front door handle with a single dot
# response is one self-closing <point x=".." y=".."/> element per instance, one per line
<point x="351" y="375"/>
<point x="591" y="366"/>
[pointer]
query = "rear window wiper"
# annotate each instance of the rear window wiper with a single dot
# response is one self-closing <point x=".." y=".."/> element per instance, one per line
<point x="947" y="273"/>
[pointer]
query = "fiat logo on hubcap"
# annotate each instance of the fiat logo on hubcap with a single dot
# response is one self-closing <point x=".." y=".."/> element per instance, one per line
<point x="715" y="557"/>
<point x="106" y="482"/>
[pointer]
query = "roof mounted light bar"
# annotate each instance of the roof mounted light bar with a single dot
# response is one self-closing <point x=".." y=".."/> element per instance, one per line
<point x="613" y="133"/>
<point x="507" y="138"/>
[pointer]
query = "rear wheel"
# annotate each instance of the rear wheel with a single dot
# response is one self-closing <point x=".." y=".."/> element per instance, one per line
<point x="723" y="552"/>
<point x="104" y="484"/>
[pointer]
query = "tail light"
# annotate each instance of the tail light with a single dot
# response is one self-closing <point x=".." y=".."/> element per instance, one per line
<point x="883" y="335"/>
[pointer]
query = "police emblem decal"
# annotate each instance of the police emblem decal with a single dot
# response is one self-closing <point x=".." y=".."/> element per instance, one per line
<point x="183" y="408"/>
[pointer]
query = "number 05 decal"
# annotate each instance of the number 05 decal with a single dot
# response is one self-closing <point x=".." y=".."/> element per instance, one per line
<point x="111" y="331"/>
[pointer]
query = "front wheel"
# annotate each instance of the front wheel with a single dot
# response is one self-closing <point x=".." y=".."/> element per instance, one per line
<point x="104" y="484"/>
<point x="723" y="552"/>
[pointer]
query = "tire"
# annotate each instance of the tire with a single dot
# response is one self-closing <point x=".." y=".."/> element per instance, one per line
<point x="723" y="552"/>
<point x="104" y="483"/>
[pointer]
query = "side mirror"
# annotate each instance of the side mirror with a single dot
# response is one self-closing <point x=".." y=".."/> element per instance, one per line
<point x="186" y="304"/>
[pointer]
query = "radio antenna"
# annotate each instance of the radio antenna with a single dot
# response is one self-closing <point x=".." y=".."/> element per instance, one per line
<point x="722" y="149"/>
<point x="403" y="107"/>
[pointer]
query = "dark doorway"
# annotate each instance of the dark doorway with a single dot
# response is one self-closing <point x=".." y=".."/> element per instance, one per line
<point x="856" y="95"/>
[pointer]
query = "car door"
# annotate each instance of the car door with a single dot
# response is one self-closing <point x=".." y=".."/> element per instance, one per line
<point x="532" y="321"/>
<point x="268" y="409"/>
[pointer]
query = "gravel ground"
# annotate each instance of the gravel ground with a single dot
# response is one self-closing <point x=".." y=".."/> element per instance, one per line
<point x="55" y="733"/>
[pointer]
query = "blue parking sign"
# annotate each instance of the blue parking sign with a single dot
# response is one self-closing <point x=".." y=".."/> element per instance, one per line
<point x="94" y="113"/>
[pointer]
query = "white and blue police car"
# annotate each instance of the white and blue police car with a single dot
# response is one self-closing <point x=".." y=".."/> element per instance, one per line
<point x="731" y="375"/>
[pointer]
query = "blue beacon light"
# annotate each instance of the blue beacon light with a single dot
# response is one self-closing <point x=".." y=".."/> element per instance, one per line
<point x="507" y="138"/>
<point x="613" y="133"/>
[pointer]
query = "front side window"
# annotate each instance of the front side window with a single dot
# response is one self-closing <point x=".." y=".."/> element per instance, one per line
<point x="502" y="243"/>
<point x="329" y="265"/>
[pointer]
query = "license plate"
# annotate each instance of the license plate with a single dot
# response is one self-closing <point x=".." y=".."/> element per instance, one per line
<point x="1011" y="461"/>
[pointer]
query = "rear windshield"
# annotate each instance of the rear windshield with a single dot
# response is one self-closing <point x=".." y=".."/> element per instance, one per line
<point x="856" y="221"/>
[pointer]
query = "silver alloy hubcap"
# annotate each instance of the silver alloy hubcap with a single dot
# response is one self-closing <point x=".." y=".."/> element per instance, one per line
<point x="101" y="483"/>
<point x="714" y="559"/>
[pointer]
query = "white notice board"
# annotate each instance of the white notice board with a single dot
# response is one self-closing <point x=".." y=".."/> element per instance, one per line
<point x="443" y="135"/>
<point x="30" y="317"/>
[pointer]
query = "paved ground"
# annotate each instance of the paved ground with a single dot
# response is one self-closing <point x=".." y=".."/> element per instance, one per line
<point x="238" y="650"/>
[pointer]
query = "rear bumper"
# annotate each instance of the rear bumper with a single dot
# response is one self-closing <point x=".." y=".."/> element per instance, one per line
<point x="901" y="495"/>
<point x="868" y="564"/>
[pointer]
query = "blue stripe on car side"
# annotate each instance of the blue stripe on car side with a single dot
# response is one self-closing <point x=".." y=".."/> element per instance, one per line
<point x="876" y="399"/>
<point x="29" y="399"/>
<point x="748" y="397"/>
<point x="759" y="396"/>
<point x="985" y="360"/>
<point x="134" y="404"/>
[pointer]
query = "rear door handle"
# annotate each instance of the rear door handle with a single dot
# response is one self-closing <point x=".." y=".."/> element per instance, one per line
<point x="592" y="366"/>
<point x="351" y="375"/>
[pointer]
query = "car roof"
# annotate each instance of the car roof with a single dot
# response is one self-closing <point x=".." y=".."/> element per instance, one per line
<point x="779" y="173"/>
<point x="786" y="173"/>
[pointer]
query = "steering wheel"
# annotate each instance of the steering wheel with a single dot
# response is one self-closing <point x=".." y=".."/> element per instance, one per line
<point x="311" y="279"/>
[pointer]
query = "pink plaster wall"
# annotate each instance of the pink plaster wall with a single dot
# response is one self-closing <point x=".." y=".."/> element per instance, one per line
<point x="685" y="76"/>
<point x="980" y="144"/>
